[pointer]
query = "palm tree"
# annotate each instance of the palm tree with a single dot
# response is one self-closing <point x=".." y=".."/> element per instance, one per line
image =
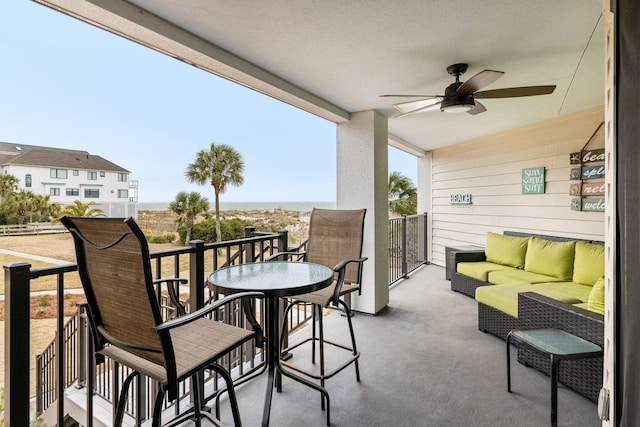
<point x="221" y="166"/>
<point x="20" y="202"/>
<point x="78" y="208"/>
<point x="403" y="195"/>
<point x="8" y="184"/>
<point x="188" y="206"/>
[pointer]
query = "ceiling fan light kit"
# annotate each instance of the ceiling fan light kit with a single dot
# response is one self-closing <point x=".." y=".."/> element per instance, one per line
<point x="460" y="96"/>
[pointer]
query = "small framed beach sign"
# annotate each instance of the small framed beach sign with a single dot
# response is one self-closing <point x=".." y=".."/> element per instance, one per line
<point x="533" y="180"/>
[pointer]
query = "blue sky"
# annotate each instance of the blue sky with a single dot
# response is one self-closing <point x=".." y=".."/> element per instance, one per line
<point x="64" y="83"/>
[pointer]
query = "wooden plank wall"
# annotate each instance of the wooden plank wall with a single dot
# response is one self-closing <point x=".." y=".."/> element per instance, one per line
<point x="490" y="169"/>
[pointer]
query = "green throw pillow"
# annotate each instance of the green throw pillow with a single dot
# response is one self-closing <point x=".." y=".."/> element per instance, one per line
<point x="553" y="259"/>
<point x="596" y="297"/>
<point x="589" y="264"/>
<point x="506" y="250"/>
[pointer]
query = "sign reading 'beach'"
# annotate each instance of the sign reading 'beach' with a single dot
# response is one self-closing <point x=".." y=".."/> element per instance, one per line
<point x="533" y="180"/>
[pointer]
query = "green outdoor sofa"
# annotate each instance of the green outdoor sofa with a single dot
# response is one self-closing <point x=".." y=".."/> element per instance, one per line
<point x="530" y="281"/>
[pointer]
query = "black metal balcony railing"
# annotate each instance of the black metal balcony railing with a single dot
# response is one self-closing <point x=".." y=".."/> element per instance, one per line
<point x="407" y="245"/>
<point x="67" y="360"/>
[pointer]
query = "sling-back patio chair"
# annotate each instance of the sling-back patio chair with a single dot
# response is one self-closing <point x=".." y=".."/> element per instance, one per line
<point x="335" y="240"/>
<point x="127" y="326"/>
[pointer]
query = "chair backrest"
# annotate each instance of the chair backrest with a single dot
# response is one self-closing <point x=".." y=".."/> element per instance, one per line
<point x="336" y="235"/>
<point x="115" y="270"/>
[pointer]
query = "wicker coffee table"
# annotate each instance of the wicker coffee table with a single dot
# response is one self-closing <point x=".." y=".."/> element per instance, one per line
<point x="558" y="345"/>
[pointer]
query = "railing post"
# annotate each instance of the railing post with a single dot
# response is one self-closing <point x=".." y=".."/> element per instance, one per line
<point x="196" y="295"/>
<point x="425" y="240"/>
<point x="283" y="240"/>
<point x="197" y="275"/>
<point x="16" y="344"/>
<point x="404" y="247"/>
<point x="249" y="248"/>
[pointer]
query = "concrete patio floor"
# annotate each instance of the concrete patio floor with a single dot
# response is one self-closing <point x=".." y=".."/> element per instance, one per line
<point x="423" y="363"/>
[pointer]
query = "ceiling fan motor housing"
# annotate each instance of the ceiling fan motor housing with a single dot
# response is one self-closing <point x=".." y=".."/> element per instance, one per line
<point x="456" y="102"/>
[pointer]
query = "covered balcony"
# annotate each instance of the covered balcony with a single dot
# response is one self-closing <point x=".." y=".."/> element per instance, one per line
<point x="424" y="362"/>
<point x="335" y="60"/>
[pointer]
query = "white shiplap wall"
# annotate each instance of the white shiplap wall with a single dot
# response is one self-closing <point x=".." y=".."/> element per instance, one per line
<point x="490" y="169"/>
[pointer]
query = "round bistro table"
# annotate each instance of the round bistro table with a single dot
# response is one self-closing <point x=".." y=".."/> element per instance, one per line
<point x="275" y="279"/>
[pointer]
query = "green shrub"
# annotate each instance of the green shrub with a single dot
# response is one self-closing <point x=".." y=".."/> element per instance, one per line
<point x="165" y="238"/>
<point x="230" y="229"/>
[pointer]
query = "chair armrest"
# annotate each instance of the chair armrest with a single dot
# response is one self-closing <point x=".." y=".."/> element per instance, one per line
<point x="538" y="311"/>
<point x="341" y="268"/>
<point x="173" y="289"/>
<point x="301" y="256"/>
<point x="174" y="323"/>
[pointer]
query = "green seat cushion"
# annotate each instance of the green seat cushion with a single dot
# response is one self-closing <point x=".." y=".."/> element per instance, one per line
<point x="505" y="297"/>
<point x="581" y="305"/>
<point x="505" y="277"/>
<point x="506" y="250"/>
<point x="479" y="270"/>
<point x="550" y="258"/>
<point x="596" y="297"/>
<point x="588" y="266"/>
<point x="572" y="289"/>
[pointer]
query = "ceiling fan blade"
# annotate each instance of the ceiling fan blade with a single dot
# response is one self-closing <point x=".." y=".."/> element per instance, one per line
<point x="513" y="92"/>
<point x="411" y="96"/>
<point x="420" y="106"/>
<point x="479" y="108"/>
<point x="480" y="80"/>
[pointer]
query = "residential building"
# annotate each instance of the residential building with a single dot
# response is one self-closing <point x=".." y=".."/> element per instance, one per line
<point x="70" y="175"/>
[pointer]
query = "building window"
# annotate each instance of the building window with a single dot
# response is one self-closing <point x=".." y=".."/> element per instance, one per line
<point x="58" y="173"/>
<point x="101" y="174"/>
<point x="76" y="172"/>
<point x="122" y="177"/>
<point x="91" y="193"/>
<point x="92" y="176"/>
<point x="73" y="192"/>
<point x="123" y="194"/>
<point x="54" y="191"/>
<point x="27" y="180"/>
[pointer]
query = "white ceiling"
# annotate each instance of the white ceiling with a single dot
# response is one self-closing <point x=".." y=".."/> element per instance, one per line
<point x="334" y="57"/>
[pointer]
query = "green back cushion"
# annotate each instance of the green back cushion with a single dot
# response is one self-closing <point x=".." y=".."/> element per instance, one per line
<point x="596" y="297"/>
<point x="588" y="266"/>
<point x="550" y="258"/>
<point x="506" y="250"/>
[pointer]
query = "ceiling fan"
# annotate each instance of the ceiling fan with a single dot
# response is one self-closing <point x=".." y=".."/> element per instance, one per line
<point x="460" y="97"/>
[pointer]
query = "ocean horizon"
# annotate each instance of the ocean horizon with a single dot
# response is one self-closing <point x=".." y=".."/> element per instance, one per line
<point x="247" y="206"/>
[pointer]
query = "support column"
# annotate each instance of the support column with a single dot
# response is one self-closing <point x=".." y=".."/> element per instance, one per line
<point x="425" y="200"/>
<point x="362" y="182"/>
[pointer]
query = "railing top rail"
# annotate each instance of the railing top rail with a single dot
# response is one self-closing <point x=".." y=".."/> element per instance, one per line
<point x="169" y="252"/>
<point x="262" y="237"/>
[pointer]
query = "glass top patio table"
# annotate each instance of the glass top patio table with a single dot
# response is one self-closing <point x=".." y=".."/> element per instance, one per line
<point x="559" y="345"/>
<point x="275" y="279"/>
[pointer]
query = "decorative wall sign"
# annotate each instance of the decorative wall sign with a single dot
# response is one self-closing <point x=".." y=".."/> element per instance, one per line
<point x="593" y="204"/>
<point x="593" y="172"/>
<point x="576" y="173"/>
<point x="586" y="157"/>
<point x="460" y="199"/>
<point x="533" y="180"/>
<point x="592" y="189"/>
<point x="587" y="177"/>
<point x="575" y="189"/>
<point x="592" y="156"/>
